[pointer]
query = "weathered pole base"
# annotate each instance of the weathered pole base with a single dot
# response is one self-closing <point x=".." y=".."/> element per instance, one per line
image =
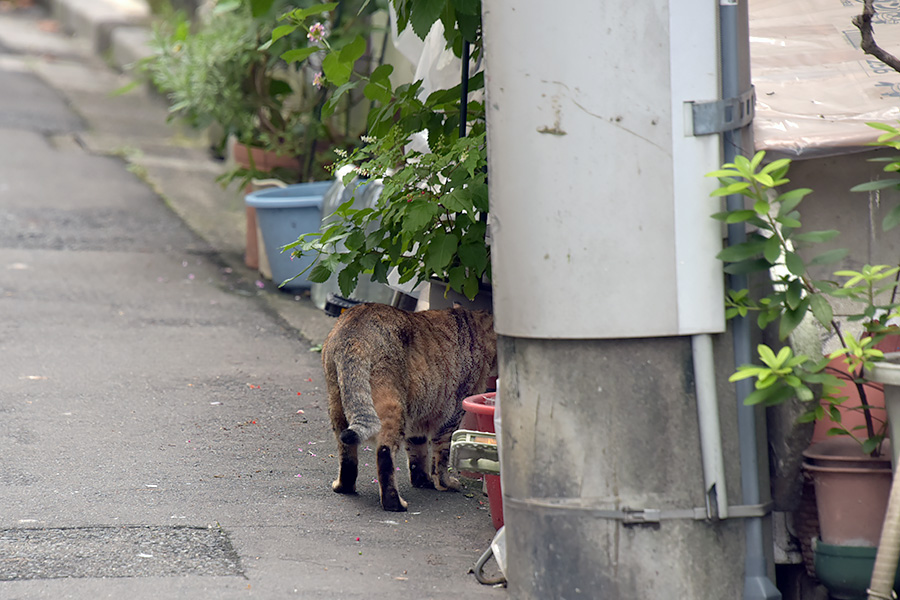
<point x="591" y="431"/>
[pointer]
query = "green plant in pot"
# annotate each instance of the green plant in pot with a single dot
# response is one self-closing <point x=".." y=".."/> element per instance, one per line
<point x="227" y="70"/>
<point x="777" y="246"/>
<point x="774" y="245"/>
<point x="430" y="221"/>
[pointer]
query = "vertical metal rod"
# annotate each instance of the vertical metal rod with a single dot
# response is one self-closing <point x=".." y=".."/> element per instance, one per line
<point x="464" y="90"/>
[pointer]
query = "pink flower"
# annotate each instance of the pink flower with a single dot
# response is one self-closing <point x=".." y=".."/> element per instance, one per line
<point x="316" y="33"/>
<point x="319" y="80"/>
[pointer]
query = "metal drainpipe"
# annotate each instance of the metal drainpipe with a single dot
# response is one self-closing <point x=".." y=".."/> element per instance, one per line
<point x="757" y="585"/>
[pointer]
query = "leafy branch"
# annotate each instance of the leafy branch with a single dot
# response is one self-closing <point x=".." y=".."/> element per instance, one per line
<point x="773" y="246"/>
<point x="430" y="218"/>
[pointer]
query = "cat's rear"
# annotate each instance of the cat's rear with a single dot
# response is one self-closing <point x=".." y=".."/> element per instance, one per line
<point x="394" y="375"/>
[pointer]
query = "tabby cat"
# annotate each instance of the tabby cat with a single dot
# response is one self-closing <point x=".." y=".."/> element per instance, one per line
<point x="401" y="376"/>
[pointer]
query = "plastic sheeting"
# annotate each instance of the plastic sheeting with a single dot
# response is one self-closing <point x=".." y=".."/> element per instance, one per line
<point x="815" y="88"/>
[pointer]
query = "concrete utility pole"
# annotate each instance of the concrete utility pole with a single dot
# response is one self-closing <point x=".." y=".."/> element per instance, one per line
<point x="619" y="429"/>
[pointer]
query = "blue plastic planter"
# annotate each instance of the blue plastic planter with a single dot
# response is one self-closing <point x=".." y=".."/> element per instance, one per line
<point x="283" y="215"/>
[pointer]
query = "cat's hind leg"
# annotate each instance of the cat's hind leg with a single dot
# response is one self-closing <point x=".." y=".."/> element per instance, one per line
<point x="419" y="468"/>
<point x="348" y="453"/>
<point x="349" y="469"/>
<point x="390" y="412"/>
<point x="440" y="457"/>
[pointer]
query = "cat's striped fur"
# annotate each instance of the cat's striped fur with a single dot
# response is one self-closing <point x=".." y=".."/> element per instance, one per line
<point x="398" y="376"/>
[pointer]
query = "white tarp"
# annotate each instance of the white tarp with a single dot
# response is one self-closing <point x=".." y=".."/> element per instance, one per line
<point x="815" y="89"/>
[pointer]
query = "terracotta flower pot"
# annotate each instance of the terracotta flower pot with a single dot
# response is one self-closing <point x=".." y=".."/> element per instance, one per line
<point x="262" y="160"/>
<point x="852" y="491"/>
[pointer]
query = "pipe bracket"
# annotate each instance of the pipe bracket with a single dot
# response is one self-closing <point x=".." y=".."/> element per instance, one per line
<point x="632" y="516"/>
<point x="718" y="116"/>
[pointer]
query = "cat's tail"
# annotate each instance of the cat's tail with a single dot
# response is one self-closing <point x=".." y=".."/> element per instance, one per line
<point x="356" y="397"/>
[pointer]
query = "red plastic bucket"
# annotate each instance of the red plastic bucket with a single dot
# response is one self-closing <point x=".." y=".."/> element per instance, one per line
<point x="482" y="407"/>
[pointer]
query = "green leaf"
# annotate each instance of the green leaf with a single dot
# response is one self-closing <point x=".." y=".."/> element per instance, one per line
<point x="259" y="8"/>
<point x="468" y="26"/>
<point x="794" y="264"/>
<point x="734" y="188"/>
<point x="869" y="446"/>
<point x="832" y="256"/>
<point x="766" y="354"/>
<point x="382" y="75"/>
<point x="282" y="30"/>
<point x="790" y="319"/>
<point x="883" y="127"/>
<point x="739" y="216"/>
<point x="769" y="396"/>
<point x="748" y="371"/>
<point x="892" y="219"/>
<point x="301" y="14"/>
<point x="723" y="174"/>
<point x="423" y="14"/>
<point x="456" y="277"/>
<point x="807" y="417"/>
<point x="319" y="274"/>
<point x="337" y="71"/>
<point x="279" y="88"/>
<point x="757" y="159"/>
<point x="804" y="394"/>
<point x="458" y="200"/>
<point x="368" y="261"/>
<point x="761" y="207"/>
<point x="878" y="184"/>
<point x="299" y="54"/>
<point x="441" y="251"/>
<point x="794" y="294"/>
<point x="789" y="221"/>
<point x="789" y="200"/>
<point x="474" y="255"/>
<point x="373" y="91"/>
<point x="772" y="249"/>
<point x="765" y="179"/>
<point x="744" y="267"/>
<point x="329" y="107"/>
<point x="741" y="251"/>
<point x="380" y="271"/>
<point x="353" y="51"/>
<point x="347" y="280"/>
<point x="816" y="236"/>
<point x="355" y="240"/>
<point x="419" y="214"/>
<point x="821" y="310"/>
<point x="776" y="165"/>
<point x="470" y="287"/>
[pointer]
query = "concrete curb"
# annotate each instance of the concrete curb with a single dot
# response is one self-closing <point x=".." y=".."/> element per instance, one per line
<point x="128" y="45"/>
<point x="96" y="20"/>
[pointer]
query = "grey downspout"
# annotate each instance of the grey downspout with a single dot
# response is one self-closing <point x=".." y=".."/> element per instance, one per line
<point x="757" y="585"/>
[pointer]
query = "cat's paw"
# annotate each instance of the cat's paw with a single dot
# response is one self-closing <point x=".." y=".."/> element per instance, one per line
<point x="393" y="502"/>
<point x="446" y="483"/>
<point x="340" y="488"/>
<point x="419" y="479"/>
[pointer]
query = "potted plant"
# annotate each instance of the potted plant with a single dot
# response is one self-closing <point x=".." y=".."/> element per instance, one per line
<point x="227" y="70"/>
<point x="430" y="221"/>
<point x="777" y="245"/>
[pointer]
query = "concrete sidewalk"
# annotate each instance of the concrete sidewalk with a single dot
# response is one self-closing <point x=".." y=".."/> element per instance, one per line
<point x="164" y="432"/>
<point x="173" y="160"/>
